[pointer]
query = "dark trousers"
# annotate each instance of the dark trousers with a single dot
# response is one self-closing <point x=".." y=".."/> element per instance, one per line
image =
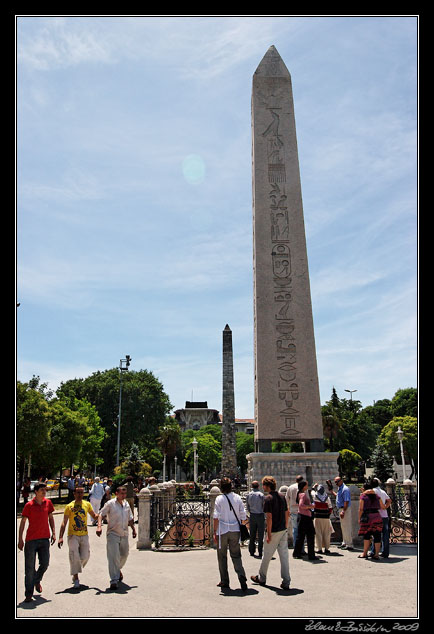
<point x="32" y="577"/>
<point x="256" y="527"/>
<point x="306" y="530"/>
<point x="385" y="539"/>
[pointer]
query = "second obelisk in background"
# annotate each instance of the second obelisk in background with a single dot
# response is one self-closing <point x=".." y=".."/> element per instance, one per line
<point x="229" y="449"/>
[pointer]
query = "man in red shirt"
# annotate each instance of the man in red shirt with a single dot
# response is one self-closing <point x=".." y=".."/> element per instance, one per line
<point x="39" y="513"/>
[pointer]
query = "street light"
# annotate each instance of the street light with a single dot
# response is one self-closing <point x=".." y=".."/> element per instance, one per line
<point x="351" y="393"/>
<point x="194" y="443"/>
<point x="400" y="435"/>
<point x="122" y="369"/>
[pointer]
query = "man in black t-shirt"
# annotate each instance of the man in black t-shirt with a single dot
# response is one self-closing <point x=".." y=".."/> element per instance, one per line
<point x="277" y="514"/>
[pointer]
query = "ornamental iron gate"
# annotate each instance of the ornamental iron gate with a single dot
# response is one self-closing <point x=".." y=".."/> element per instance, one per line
<point x="403" y="516"/>
<point x="184" y="522"/>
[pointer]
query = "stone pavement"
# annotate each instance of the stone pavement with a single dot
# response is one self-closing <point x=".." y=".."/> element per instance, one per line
<point x="178" y="585"/>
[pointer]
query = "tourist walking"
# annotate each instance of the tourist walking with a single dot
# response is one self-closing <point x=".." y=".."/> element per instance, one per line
<point x="343" y="503"/>
<point x="78" y="538"/>
<point x="129" y="484"/>
<point x="255" y="509"/>
<point x="25" y="490"/>
<point x="119" y="517"/>
<point x="370" y="520"/>
<point x="385" y="534"/>
<point x="306" y="527"/>
<point x="229" y="512"/>
<point x="71" y="486"/>
<point x="96" y="494"/>
<point x="321" y="518"/>
<point x="277" y="515"/>
<point x="291" y="501"/>
<point x="39" y="514"/>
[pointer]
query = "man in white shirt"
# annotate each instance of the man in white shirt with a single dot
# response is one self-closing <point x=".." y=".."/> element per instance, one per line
<point x="227" y="533"/>
<point x="385" y="517"/>
<point x="292" y="504"/>
<point x="118" y="513"/>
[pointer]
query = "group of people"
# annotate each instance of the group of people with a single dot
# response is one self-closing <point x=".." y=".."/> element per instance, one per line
<point x="268" y="514"/>
<point x="41" y="532"/>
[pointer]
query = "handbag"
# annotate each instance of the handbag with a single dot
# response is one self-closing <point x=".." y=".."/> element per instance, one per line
<point x="244" y="531"/>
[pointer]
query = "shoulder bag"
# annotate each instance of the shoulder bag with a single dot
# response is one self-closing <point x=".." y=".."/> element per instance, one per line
<point x="244" y="531"/>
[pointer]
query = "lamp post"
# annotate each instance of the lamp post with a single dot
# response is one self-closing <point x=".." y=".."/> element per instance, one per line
<point x="122" y="369"/>
<point x="194" y="443"/>
<point x="351" y="393"/>
<point x="400" y="435"/>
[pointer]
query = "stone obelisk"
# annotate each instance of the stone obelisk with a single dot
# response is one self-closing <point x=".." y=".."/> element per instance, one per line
<point x="229" y="450"/>
<point x="287" y="400"/>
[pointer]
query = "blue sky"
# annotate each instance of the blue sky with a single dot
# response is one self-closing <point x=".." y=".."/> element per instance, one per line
<point x="134" y="197"/>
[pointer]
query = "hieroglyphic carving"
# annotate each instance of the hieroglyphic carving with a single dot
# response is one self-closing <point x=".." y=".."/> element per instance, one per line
<point x="283" y="326"/>
<point x="275" y="149"/>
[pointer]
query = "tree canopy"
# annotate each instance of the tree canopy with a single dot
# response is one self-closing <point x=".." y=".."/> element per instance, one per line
<point x="53" y="433"/>
<point x="145" y="407"/>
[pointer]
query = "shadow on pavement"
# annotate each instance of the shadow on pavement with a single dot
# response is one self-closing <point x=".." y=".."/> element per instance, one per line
<point x="34" y="604"/>
<point x="228" y="592"/>
<point x="285" y="593"/>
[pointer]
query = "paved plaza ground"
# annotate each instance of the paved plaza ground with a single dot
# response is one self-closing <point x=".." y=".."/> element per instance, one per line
<point x="176" y="585"/>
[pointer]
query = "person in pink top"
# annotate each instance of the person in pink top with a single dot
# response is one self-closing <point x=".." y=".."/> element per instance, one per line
<point x="305" y="523"/>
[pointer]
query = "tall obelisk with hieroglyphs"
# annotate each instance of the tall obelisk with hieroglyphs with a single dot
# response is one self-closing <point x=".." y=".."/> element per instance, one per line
<point x="287" y="401"/>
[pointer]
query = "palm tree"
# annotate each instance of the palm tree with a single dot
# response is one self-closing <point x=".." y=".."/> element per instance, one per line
<point x="332" y="425"/>
<point x="170" y="438"/>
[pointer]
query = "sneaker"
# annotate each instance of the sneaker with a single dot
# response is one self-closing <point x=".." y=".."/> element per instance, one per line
<point x="113" y="586"/>
<point x="326" y="552"/>
<point x="284" y="586"/>
<point x="76" y="583"/>
<point x="28" y="599"/>
<point x="38" y="587"/>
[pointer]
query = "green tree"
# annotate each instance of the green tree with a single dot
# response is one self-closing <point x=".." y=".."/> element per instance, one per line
<point x="334" y="419"/>
<point x="245" y="444"/>
<point x="145" y="407"/>
<point x="32" y="424"/>
<point x="390" y="441"/>
<point x="92" y="441"/>
<point x="68" y="428"/>
<point x="382" y="463"/>
<point x="208" y="452"/>
<point x="350" y="462"/>
<point x="169" y="438"/>
<point x="134" y="465"/>
<point x="404" y="403"/>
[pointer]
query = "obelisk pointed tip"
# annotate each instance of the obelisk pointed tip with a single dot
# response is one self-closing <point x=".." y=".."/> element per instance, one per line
<point x="272" y="65"/>
<point x="227" y="327"/>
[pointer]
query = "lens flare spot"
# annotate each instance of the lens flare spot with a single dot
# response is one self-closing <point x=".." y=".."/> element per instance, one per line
<point x="193" y="169"/>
